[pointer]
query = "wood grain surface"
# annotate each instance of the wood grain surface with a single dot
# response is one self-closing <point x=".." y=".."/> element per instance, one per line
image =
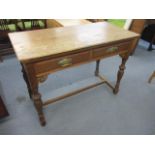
<point x="43" y="43"/>
<point x="66" y="22"/>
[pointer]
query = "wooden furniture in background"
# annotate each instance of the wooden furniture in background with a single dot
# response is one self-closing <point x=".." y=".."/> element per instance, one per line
<point x="46" y="51"/>
<point x="137" y="26"/>
<point x="149" y="33"/>
<point x="3" y="110"/>
<point x="142" y="27"/>
<point x="5" y="45"/>
<point x="34" y="24"/>
<point x="65" y="22"/>
<point x="152" y="41"/>
<point x="151" y="77"/>
<point x="97" y="20"/>
<point x="14" y="25"/>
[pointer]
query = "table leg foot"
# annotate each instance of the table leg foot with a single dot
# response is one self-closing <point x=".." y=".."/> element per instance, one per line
<point x="42" y="120"/>
<point x="115" y="90"/>
<point x="39" y="107"/>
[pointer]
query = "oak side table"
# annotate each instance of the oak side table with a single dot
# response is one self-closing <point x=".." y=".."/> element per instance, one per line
<point x="42" y="52"/>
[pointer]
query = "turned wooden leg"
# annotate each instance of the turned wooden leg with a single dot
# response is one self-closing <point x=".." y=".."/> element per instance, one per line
<point x="151" y="77"/>
<point x="120" y="73"/>
<point x="33" y="86"/>
<point x="39" y="106"/>
<point x="27" y="82"/>
<point x="97" y="68"/>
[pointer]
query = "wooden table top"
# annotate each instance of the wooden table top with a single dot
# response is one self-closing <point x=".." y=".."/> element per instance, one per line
<point x="31" y="45"/>
<point x="69" y="22"/>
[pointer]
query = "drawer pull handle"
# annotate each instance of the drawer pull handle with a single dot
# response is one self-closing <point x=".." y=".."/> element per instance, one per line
<point x="112" y="49"/>
<point x="65" y="62"/>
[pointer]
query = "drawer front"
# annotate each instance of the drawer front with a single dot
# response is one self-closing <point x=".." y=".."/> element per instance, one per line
<point x="60" y="63"/>
<point x="111" y="50"/>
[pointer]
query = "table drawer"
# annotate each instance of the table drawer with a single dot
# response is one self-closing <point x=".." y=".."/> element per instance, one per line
<point x="111" y="50"/>
<point x="60" y="63"/>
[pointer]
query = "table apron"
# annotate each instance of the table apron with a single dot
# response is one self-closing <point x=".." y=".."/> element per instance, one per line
<point x="52" y="65"/>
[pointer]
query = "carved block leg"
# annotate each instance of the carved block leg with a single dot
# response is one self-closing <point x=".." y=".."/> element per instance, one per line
<point x="33" y="86"/>
<point x="120" y="72"/>
<point x="97" y="67"/>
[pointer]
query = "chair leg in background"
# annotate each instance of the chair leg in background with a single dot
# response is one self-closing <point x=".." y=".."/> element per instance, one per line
<point x="151" y="77"/>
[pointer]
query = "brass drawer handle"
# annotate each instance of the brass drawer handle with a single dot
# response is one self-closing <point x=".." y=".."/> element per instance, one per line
<point x="65" y="62"/>
<point x="112" y="49"/>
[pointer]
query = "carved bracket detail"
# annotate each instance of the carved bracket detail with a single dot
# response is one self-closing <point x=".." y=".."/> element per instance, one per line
<point x="42" y="78"/>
